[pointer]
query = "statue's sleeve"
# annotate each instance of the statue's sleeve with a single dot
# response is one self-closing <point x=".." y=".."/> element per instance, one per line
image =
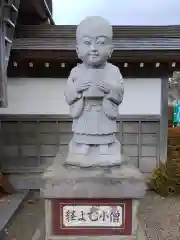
<point x="73" y="99"/>
<point x="71" y="94"/>
<point x="117" y="92"/>
<point x="115" y="97"/>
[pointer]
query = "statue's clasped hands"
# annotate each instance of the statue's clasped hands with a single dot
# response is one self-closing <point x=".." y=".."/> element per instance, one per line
<point x="101" y="85"/>
<point x="81" y="87"/>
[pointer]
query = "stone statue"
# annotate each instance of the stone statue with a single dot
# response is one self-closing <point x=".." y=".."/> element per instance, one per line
<point x="94" y="92"/>
<point x="94" y="167"/>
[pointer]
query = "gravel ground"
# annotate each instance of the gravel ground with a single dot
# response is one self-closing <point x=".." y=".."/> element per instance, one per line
<point x="160" y="218"/>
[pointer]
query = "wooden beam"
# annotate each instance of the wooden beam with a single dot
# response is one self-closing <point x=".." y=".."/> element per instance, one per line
<point x="47" y="68"/>
<point x="3" y="60"/>
<point x="119" y="55"/>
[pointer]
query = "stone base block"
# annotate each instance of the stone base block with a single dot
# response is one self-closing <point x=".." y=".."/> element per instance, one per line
<point x="124" y="181"/>
<point x="92" y="203"/>
<point x="92" y="219"/>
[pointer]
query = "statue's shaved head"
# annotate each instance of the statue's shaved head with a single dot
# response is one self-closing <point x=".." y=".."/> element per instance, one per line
<point x="94" y="26"/>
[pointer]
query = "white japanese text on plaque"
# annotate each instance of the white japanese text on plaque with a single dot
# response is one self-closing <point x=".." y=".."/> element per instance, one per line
<point x="92" y="216"/>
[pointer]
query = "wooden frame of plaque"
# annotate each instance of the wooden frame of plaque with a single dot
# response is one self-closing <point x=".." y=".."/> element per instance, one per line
<point x="59" y="229"/>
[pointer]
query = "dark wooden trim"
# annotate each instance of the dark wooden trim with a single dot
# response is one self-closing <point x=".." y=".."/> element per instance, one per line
<point x="122" y="55"/>
<point x="48" y="10"/>
<point x="3" y="77"/>
<point x="35" y="12"/>
<point x="14" y="118"/>
<point x="55" y="69"/>
<point x="164" y="120"/>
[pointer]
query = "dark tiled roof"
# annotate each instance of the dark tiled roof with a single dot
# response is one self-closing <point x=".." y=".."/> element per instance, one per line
<point x="62" y="31"/>
<point x="59" y="37"/>
<point x="146" y="43"/>
<point x="119" y="44"/>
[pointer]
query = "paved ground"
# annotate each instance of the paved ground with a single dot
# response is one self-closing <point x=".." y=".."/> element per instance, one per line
<point x="8" y="205"/>
<point x="28" y="223"/>
<point x="160" y="218"/>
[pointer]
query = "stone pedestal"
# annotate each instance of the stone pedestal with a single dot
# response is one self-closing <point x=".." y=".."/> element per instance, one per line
<point x="93" y="203"/>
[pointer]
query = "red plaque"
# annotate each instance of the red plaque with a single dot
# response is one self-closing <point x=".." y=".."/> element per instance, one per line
<point x="91" y="217"/>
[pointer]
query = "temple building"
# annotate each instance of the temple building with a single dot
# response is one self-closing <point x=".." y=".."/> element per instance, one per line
<point x="35" y="120"/>
<point x="13" y="14"/>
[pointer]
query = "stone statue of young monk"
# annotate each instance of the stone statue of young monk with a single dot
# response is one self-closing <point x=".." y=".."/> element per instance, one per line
<point x="94" y="92"/>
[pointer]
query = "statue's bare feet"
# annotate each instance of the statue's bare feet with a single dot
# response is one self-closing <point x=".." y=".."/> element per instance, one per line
<point x="82" y="149"/>
<point x="104" y="149"/>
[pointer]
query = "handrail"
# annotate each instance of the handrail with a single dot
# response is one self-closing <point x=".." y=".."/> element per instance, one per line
<point x="49" y="13"/>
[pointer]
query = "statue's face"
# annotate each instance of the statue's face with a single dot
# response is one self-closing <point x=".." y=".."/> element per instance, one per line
<point x="94" y="50"/>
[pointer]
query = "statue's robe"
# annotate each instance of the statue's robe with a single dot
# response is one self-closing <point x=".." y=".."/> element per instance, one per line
<point x="94" y="120"/>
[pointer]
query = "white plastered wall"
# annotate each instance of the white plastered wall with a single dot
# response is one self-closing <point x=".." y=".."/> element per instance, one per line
<point x="31" y="152"/>
<point x="46" y="96"/>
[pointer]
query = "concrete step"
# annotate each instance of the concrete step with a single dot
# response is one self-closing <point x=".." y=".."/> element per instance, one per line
<point x="8" y="206"/>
